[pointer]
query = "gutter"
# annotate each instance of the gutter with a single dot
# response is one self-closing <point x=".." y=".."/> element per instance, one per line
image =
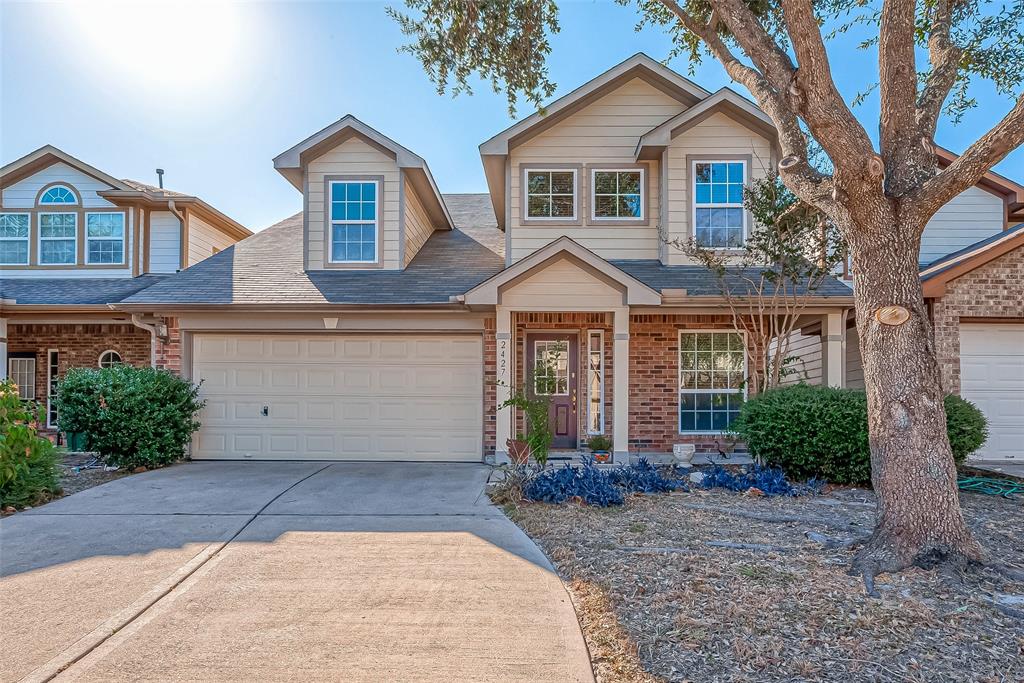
<point x="157" y="330"/>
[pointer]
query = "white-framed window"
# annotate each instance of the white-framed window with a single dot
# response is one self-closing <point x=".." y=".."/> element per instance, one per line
<point x="712" y="373"/>
<point x="617" y="194"/>
<point x="23" y="372"/>
<point x="109" y="359"/>
<point x="58" y="194"/>
<point x="551" y="193"/>
<point x="551" y="367"/>
<point x="52" y="377"/>
<point x="595" y="382"/>
<point x="719" y="219"/>
<point x="104" y="237"/>
<point x="14" y="236"/>
<point x="58" y="238"/>
<point x="354" y="221"/>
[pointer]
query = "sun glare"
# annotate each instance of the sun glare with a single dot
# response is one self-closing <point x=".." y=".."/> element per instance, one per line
<point x="166" y="44"/>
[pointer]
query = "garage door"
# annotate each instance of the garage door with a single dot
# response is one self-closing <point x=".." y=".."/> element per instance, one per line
<point x="355" y="397"/>
<point x="992" y="377"/>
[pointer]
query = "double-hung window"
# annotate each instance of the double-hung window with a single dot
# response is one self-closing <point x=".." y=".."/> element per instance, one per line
<point x="354" y="222"/>
<point x="712" y="367"/>
<point x="104" y="238"/>
<point x="58" y="238"/>
<point x="14" y="239"/>
<point x="617" y="194"/>
<point x="22" y="371"/>
<point x="719" y="219"/>
<point x="551" y="194"/>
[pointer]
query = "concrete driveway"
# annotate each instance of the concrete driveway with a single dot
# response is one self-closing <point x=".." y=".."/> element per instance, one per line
<point x="283" y="571"/>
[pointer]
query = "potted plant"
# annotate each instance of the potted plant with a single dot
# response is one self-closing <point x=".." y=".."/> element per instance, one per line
<point x="536" y="442"/>
<point x="518" y="450"/>
<point x="600" y="447"/>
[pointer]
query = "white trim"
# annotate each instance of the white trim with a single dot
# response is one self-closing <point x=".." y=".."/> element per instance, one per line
<point x="692" y="189"/>
<point x="14" y="376"/>
<point x="69" y="188"/>
<point x="27" y="239"/>
<point x="679" y="374"/>
<point x="124" y="237"/>
<point x="526" y="194"/>
<point x="41" y="239"/>
<point x="331" y="222"/>
<point x="601" y="371"/>
<point x="593" y="194"/>
<point x="49" y="383"/>
<point x="99" y="361"/>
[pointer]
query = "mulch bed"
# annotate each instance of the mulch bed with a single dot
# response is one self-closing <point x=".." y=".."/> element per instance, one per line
<point x="657" y="603"/>
<point x="75" y="477"/>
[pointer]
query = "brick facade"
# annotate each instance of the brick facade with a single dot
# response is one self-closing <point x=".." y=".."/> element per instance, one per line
<point x="993" y="291"/>
<point x="77" y="346"/>
<point x="168" y="353"/>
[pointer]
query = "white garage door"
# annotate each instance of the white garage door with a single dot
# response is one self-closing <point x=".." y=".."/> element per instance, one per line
<point x="992" y="377"/>
<point x="353" y="397"/>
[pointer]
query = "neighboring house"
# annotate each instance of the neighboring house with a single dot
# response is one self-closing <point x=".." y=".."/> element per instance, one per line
<point x="73" y="241"/>
<point x="388" y="321"/>
<point x="972" y="271"/>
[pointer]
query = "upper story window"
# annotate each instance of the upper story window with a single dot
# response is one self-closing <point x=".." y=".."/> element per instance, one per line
<point x="551" y="194"/>
<point x="354" y="221"/>
<point x="14" y="239"/>
<point x="104" y="238"/>
<point x="617" y="194"/>
<point x="58" y="238"/>
<point x="719" y="219"/>
<point x="58" y="194"/>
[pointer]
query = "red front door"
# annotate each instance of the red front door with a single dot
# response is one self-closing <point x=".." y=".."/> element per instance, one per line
<point x="552" y="363"/>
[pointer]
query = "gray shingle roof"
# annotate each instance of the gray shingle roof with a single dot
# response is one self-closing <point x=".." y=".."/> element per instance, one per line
<point x="267" y="269"/>
<point x="699" y="281"/>
<point x="73" y="291"/>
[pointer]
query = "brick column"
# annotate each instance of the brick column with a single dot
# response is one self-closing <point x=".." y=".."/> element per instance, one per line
<point x="167" y="354"/>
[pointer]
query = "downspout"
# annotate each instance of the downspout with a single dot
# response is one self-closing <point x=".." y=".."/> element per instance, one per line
<point x="153" y="336"/>
<point x="181" y="235"/>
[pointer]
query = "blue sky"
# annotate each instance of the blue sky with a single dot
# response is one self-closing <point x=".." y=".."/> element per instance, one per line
<point x="212" y="92"/>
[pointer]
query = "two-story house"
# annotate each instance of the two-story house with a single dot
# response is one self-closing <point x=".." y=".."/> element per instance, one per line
<point x="73" y="241"/>
<point x="388" y="321"/>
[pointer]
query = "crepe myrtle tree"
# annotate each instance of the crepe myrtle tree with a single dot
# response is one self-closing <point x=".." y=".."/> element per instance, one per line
<point x="929" y="52"/>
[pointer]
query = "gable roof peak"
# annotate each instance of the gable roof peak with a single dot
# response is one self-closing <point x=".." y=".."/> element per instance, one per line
<point x="46" y="156"/>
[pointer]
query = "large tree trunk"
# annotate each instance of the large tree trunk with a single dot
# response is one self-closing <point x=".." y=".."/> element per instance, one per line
<point x="919" y="520"/>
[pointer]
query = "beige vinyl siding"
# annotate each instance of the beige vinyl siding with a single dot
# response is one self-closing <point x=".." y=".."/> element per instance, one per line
<point x="605" y="133"/>
<point x="971" y="216"/>
<point x="854" y="366"/>
<point x="357" y="158"/>
<point x="716" y="135"/>
<point x="806" y="364"/>
<point x="22" y="194"/>
<point x="203" y="238"/>
<point x="164" y="242"/>
<point x="562" y="284"/>
<point x="418" y="226"/>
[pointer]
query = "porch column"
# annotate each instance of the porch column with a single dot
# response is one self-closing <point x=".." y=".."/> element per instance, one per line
<point x="3" y="349"/>
<point x="503" y="374"/>
<point x="620" y="384"/>
<point x="833" y="360"/>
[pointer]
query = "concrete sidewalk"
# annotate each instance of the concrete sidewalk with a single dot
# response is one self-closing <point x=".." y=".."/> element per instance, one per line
<point x="283" y="571"/>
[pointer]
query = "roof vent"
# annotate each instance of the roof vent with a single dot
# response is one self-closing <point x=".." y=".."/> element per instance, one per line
<point x="160" y="177"/>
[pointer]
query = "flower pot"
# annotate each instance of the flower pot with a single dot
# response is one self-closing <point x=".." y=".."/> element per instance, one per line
<point x="518" y="451"/>
<point x="601" y="456"/>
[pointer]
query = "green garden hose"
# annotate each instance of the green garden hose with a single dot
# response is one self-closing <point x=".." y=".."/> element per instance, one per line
<point x="1007" y="488"/>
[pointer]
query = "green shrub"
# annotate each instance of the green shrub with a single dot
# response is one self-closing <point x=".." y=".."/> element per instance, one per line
<point x="28" y="462"/>
<point x="131" y="416"/>
<point x="814" y="431"/>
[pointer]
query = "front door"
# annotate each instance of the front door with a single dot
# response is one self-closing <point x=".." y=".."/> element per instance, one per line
<point x="552" y="363"/>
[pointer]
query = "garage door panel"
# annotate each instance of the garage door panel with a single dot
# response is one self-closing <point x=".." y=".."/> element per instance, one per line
<point x="400" y="397"/>
<point x="992" y="377"/>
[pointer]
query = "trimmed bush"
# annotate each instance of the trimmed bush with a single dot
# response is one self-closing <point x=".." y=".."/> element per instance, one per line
<point x="131" y="416"/>
<point x="814" y="431"/>
<point x="28" y="462"/>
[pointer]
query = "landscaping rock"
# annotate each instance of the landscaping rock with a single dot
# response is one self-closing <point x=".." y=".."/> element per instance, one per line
<point x="697" y="478"/>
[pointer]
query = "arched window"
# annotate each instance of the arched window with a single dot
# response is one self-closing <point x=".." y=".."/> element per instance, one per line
<point x="58" y="194"/>
<point x="109" y="359"/>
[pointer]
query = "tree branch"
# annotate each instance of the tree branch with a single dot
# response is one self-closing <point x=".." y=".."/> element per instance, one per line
<point x="944" y="58"/>
<point x="897" y="76"/>
<point x="970" y="166"/>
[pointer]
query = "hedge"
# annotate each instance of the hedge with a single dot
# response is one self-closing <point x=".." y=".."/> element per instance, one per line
<point x="29" y="470"/>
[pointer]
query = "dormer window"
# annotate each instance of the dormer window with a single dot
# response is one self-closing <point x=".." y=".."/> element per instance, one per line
<point x="354" y="221"/>
<point x="58" y="194"/>
<point x="719" y="219"/>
